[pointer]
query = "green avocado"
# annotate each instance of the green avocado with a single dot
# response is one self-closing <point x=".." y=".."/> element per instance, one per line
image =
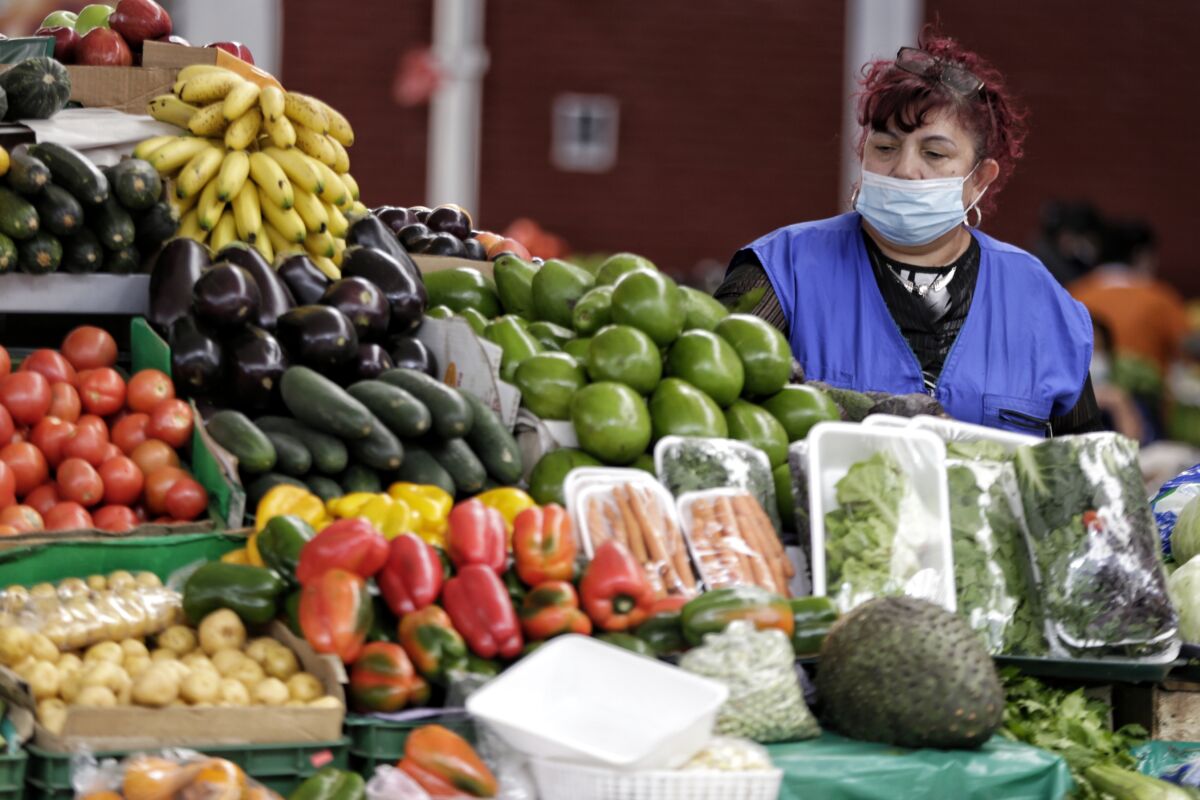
<point x="651" y="302"/>
<point x="516" y="343"/>
<point x="557" y="286"/>
<point x="578" y="348"/>
<point x="621" y="264"/>
<point x="625" y="355"/>
<point x="709" y="363"/>
<point x="593" y="311"/>
<point x="514" y="284"/>
<point x="546" y="480"/>
<point x="755" y="425"/>
<point x="765" y="353"/>
<point x="679" y="409"/>
<point x="552" y="336"/>
<point x="783" y="496"/>
<point x="645" y="462"/>
<point x="547" y="382"/>
<point x="462" y="287"/>
<point x="611" y="421"/>
<point x="701" y="310"/>
<point x="799" y="407"/>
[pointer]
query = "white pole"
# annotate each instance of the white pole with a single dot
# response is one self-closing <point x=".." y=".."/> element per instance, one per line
<point x="455" y="111"/>
<point x="874" y="29"/>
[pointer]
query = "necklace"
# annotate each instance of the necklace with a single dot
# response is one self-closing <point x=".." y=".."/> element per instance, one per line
<point x="936" y="285"/>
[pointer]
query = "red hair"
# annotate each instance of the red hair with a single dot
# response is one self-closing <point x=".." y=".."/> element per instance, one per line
<point x="994" y="117"/>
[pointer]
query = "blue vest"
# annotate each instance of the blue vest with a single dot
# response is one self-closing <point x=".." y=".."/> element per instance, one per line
<point x="1021" y="357"/>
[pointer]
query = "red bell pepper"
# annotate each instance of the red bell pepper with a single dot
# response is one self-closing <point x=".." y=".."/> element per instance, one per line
<point x="543" y="545"/>
<point x="552" y="608"/>
<point x="482" y="611"/>
<point x="383" y="679"/>
<point x="616" y="594"/>
<point x="435" y="647"/>
<point x="349" y="544"/>
<point x="477" y="535"/>
<point x="667" y="605"/>
<point x="444" y="764"/>
<point x="412" y="577"/>
<point x="336" y="613"/>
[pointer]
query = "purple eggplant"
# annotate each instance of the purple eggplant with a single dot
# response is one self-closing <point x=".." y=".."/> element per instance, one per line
<point x="445" y="244"/>
<point x="176" y="269"/>
<point x="226" y="297"/>
<point x="364" y="303"/>
<point x="474" y="250"/>
<point x="450" y="219"/>
<point x="395" y="218"/>
<point x="275" y="296"/>
<point x="370" y="362"/>
<point x="409" y="235"/>
<point x="303" y="279"/>
<point x="320" y="337"/>
<point x="257" y="362"/>
<point x="405" y="295"/>
<point x="410" y="352"/>
<point x="196" y="358"/>
<point x="372" y="232"/>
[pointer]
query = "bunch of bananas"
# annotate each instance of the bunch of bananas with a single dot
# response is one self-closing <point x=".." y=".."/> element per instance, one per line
<point x="258" y="164"/>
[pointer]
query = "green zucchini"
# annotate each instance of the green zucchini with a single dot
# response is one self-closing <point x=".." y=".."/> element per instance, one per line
<point x="291" y="456"/>
<point x="73" y="171"/>
<point x="379" y="450"/>
<point x="82" y="253"/>
<point x="451" y="414"/>
<point x="136" y="184"/>
<point x="322" y="404"/>
<point x="40" y="254"/>
<point x="421" y="467"/>
<point x="265" y="483"/>
<point x="360" y="478"/>
<point x="154" y="226"/>
<point x="18" y="217"/>
<point x="125" y="261"/>
<point x="457" y="458"/>
<point x="26" y="173"/>
<point x="329" y="454"/>
<point x="112" y="224"/>
<point x="493" y="443"/>
<point x="236" y="433"/>
<point x="58" y="211"/>
<point x="8" y="254"/>
<point x="403" y="414"/>
<point x="325" y="488"/>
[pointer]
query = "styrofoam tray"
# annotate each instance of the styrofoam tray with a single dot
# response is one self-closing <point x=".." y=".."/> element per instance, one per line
<point x="582" y="478"/>
<point x="581" y="700"/>
<point x="886" y="421"/>
<point x="951" y="430"/>
<point x="834" y="447"/>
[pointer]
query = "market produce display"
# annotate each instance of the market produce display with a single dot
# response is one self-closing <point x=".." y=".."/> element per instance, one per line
<point x="445" y="231"/>
<point x="106" y="35"/>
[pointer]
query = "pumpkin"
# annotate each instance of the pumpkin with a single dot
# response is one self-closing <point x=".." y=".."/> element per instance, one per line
<point x="37" y="88"/>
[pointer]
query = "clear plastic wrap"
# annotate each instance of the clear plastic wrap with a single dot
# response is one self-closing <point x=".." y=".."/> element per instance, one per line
<point x="733" y="541"/>
<point x="691" y="464"/>
<point x="798" y="467"/>
<point x="1096" y="546"/>
<point x="765" y="700"/>
<point x="389" y="783"/>
<point x="166" y="774"/>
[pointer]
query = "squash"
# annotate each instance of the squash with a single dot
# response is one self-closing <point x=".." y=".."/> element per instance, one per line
<point x="37" y="88"/>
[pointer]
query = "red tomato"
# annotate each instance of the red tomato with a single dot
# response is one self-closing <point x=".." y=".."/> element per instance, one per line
<point x="23" y="518"/>
<point x="171" y="421"/>
<point x="88" y="347"/>
<point x="89" y="442"/>
<point x="187" y="499"/>
<point x="28" y="466"/>
<point x="130" y="431"/>
<point x="152" y="455"/>
<point x="102" y="391"/>
<point x="148" y="388"/>
<point x="68" y="516"/>
<point x="123" y="481"/>
<point x="26" y="395"/>
<point x="8" y="486"/>
<point x="93" y="422"/>
<point x="50" y="436"/>
<point x="51" y="364"/>
<point x="64" y="402"/>
<point x="7" y="429"/>
<point x="78" y="481"/>
<point x="5" y="363"/>
<point x="44" y="498"/>
<point x="158" y="483"/>
<point x="115" y="519"/>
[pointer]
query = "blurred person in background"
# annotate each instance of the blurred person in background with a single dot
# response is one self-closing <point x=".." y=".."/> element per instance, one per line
<point x="1118" y="411"/>
<point x="903" y="295"/>
<point x="1070" y="239"/>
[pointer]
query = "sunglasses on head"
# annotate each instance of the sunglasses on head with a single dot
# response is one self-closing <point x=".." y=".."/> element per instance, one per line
<point x="925" y="65"/>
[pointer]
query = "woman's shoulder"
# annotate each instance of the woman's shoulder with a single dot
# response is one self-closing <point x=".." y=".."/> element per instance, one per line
<point x="842" y="223"/>
<point x="1015" y="257"/>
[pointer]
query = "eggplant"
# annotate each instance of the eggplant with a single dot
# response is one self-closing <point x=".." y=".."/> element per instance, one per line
<point x="275" y="297"/>
<point x="475" y="250"/>
<point x="226" y="297"/>
<point x="411" y="234"/>
<point x="364" y="303"/>
<point x="371" y="232"/>
<point x="303" y="279"/>
<point x="396" y="218"/>
<point x="450" y="219"/>
<point x="420" y="213"/>
<point x="320" y="337"/>
<point x="445" y="244"/>
<point x="371" y="361"/>
<point x="257" y="362"/>
<point x="196" y="358"/>
<point x="176" y="269"/>
<point x="405" y="294"/>
<point x="410" y="352"/>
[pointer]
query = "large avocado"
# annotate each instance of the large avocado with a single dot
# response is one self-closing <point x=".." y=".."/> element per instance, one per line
<point x="620" y="264"/>
<point x="547" y="382"/>
<point x="546" y="480"/>
<point x="593" y="311"/>
<point x="625" y="355"/>
<point x="516" y="343"/>
<point x="701" y="310"/>
<point x="462" y="287"/>
<point x="755" y="425"/>
<point x="709" y="363"/>
<point x="514" y="284"/>
<point x="799" y="407"/>
<point x="765" y="353"/>
<point x="679" y="409"/>
<point x="557" y="286"/>
<point x="651" y="302"/>
<point x="611" y="421"/>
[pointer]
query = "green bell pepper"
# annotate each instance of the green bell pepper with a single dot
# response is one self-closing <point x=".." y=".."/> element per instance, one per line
<point x="712" y="611"/>
<point x="627" y="641"/>
<point x="331" y="784"/>
<point x="250" y="592"/>
<point x="384" y="625"/>
<point x="431" y="642"/>
<point x="291" y="610"/>
<point x="812" y="618"/>
<point x="280" y="543"/>
<point x="488" y="667"/>
<point x="516" y="589"/>
<point x="663" y="632"/>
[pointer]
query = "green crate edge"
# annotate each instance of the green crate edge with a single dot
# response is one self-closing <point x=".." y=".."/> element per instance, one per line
<point x="12" y="771"/>
<point x="376" y="741"/>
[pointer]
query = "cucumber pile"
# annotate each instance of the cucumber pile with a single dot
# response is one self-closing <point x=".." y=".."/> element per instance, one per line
<point x="402" y="426"/>
<point x="59" y="211"/>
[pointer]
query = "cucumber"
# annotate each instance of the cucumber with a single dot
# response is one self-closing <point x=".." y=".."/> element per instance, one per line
<point x="403" y="414"/>
<point x="154" y="226"/>
<point x="265" y="483"/>
<point x="421" y="467"/>
<point x="234" y="431"/>
<point x="112" y="224"/>
<point x="8" y="254"/>
<point x="493" y="443"/>
<point x="82" y="253"/>
<point x="18" y="217"/>
<point x="381" y="450"/>
<point x="325" y="488"/>
<point x="125" y="261"/>
<point x="72" y="170"/>
<point x="360" y="478"/>
<point x="26" y="173"/>
<point x="291" y="456"/>
<point x="136" y="184"/>
<point x="451" y="414"/>
<point x="457" y="458"/>
<point x="322" y="404"/>
<point x="58" y="212"/>
<point x="329" y="454"/>
<point x="39" y="255"/>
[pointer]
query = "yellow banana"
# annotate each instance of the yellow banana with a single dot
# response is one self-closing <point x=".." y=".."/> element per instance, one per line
<point x="146" y="147"/>
<point x="247" y="213"/>
<point x="179" y="205"/>
<point x="281" y="132"/>
<point x="358" y="210"/>
<point x="262" y="243"/>
<point x="297" y="167"/>
<point x="199" y="171"/>
<point x="224" y="232"/>
<point x="209" y="87"/>
<point x="271" y="101"/>
<point x="326" y="265"/>
<point x="173" y="155"/>
<point x="341" y="159"/>
<point x="170" y="109"/>
<point x="304" y="110"/>
<point x="241" y="134"/>
<point x="234" y="171"/>
<point x="316" y="145"/>
<point x="278" y="243"/>
<point x="339" y="126"/>
<point x="339" y="247"/>
<point x="320" y="244"/>
<point x="189" y="226"/>
<point x="351" y="184"/>
<point x="286" y="221"/>
<point x="208" y="121"/>
<point x="311" y="210"/>
<point x="241" y="98"/>
<point x="208" y="207"/>
<point x="194" y="71"/>
<point x="338" y="224"/>
<point x="271" y="178"/>
<point x="332" y="189"/>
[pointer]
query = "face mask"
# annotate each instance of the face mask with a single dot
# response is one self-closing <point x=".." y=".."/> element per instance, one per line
<point x="912" y="212"/>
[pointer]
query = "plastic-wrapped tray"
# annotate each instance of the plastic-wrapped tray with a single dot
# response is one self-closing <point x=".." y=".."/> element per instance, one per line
<point x="733" y="541"/>
<point x="950" y="430"/>
<point x="1101" y="670"/>
<point x="691" y="464"/>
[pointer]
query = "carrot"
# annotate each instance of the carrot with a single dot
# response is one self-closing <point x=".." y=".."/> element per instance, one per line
<point x="658" y="553"/>
<point x="636" y="542"/>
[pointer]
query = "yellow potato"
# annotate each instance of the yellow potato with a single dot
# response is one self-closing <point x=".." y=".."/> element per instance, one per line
<point x="180" y="669"/>
<point x="16" y="593"/>
<point x="249" y="673"/>
<point x="222" y="630"/>
<point x="328" y="701"/>
<point x="135" y="647"/>
<point x="233" y="693"/>
<point x="15" y="645"/>
<point x="281" y="663"/>
<point x="25" y="667"/>
<point x="163" y="654"/>
<point x="201" y="686"/>
<point x="97" y="583"/>
<point x="104" y="651"/>
<point x="72" y="587"/>
<point x="148" y="580"/>
<point x="43" y="680"/>
<point x="121" y="579"/>
<point x="52" y="714"/>
<point x="179" y="638"/>
<point x="105" y="673"/>
<point x="44" y="590"/>
<point x="270" y="692"/>
<point x="157" y="687"/>
<point x="69" y="662"/>
<point x="257" y="649"/>
<point x="304" y="687"/>
<point x="42" y="648"/>
<point x="197" y="660"/>
<point x="227" y="661"/>
<point x="136" y="665"/>
<point x="79" y="634"/>
<point x="98" y="696"/>
<point x="70" y="686"/>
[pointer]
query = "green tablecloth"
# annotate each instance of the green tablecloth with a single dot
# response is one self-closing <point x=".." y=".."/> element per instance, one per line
<point x="834" y="768"/>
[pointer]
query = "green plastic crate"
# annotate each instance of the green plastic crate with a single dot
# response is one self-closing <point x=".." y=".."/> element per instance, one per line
<point x="12" y="774"/>
<point x="377" y="741"/>
<point x="281" y="767"/>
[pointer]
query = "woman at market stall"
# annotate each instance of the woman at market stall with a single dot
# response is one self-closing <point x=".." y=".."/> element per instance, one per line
<point x="904" y="294"/>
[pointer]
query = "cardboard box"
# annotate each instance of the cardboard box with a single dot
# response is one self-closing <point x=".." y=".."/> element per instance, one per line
<point x="470" y="363"/>
<point x="440" y="263"/>
<point x="176" y="57"/>
<point x="35" y="538"/>
<point x="126" y="89"/>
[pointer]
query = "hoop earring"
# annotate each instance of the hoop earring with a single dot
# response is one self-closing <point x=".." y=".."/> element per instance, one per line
<point x="854" y="197"/>
<point x="978" y="217"/>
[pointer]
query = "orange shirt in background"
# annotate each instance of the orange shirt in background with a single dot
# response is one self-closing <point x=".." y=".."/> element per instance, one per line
<point x="1146" y="316"/>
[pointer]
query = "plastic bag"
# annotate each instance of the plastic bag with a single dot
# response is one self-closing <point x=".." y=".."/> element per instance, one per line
<point x="1096" y="547"/>
<point x="798" y="468"/>
<point x="691" y="464"/>
<point x="390" y="783"/>
<point x="168" y="773"/>
<point x="733" y="541"/>
<point x="765" y="702"/>
<point x="1170" y="501"/>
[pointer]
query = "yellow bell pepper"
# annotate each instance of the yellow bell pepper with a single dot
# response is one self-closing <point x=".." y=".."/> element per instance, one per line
<point x="430" y="506"/>
<point x="253" y="555"/>
<point x="390" y="517"/>
<point x="509" y="502"/>
<point x="239" y="556"/>
<point x="288" y="499"/>
<point x="349" y="505"/>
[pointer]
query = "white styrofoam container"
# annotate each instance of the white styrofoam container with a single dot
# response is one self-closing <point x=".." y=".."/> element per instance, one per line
<point x="581" y="700"/>
<point x="951" y="430"/>
<point x="834" y="447"/>
<point x="886" y="421"/>
<point x="557" y="780"/>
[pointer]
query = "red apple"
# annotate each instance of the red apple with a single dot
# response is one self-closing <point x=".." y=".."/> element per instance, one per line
<point x="65" y="42"/>
<point x="139" y="20"/>
<point x="236" y="48"/>
<point x="173" y="39"/>
<point x="103" y="47"/>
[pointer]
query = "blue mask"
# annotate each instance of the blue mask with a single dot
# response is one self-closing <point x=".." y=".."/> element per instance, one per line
<point x="912" y="212"/>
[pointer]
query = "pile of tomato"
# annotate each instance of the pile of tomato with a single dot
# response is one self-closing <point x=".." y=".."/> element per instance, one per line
<point x="81" y="447"/>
